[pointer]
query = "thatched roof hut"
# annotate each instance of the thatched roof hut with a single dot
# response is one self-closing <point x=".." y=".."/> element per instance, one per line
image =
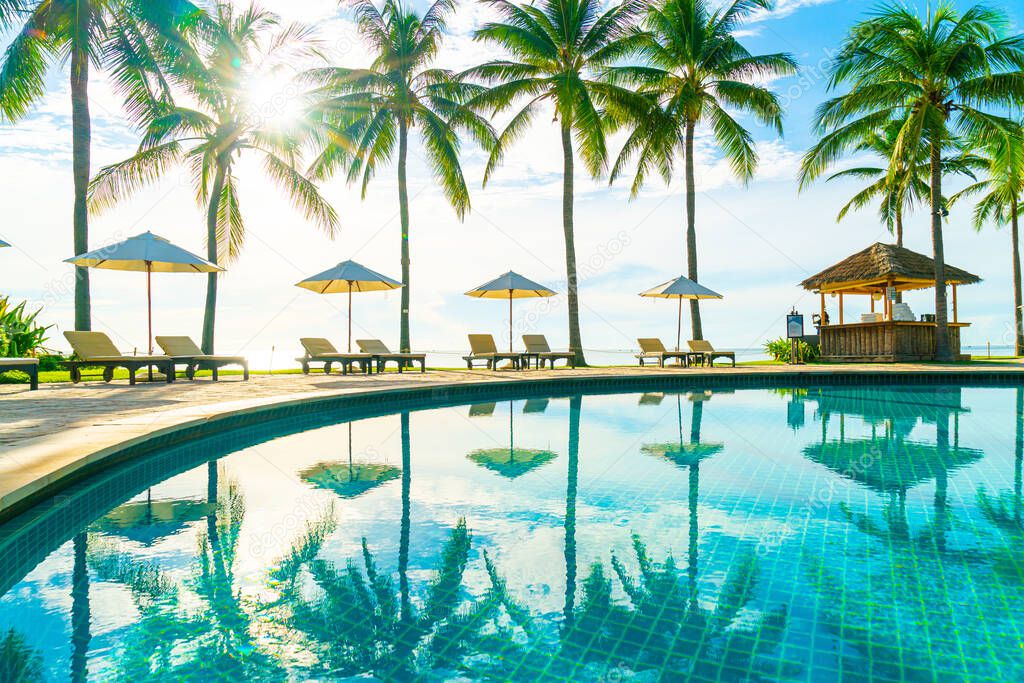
<point x="884" y="265"/>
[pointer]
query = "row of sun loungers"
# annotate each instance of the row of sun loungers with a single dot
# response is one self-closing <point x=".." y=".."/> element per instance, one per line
<point x="95" y="349"/>
<point x="701" y="353"/>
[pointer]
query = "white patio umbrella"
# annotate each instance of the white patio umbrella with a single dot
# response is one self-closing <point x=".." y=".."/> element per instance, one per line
<point x="510" y="286"/>
<point x="681" y="288"/>
<point x="348" y="277"/>
<point x="146" y="253"/>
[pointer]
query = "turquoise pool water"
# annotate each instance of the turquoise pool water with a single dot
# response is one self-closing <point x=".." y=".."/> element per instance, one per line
<point x="839" y="533"/>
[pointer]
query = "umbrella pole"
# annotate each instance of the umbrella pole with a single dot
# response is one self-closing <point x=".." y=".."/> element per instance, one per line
<point x="679" y="327"/>
<point x="510" y="321"/>
<point x="149" y="310"/>
<point x="350" y="317"/>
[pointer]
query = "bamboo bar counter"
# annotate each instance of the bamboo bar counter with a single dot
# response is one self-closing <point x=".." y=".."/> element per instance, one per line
<point x="876" y="272"/>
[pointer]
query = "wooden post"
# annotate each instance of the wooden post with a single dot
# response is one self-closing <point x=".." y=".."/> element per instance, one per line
<point x="822" y="308"/>
<point x="872" y="296"/>
<point x="956" y="316"/>
<point x="841" y="312"/>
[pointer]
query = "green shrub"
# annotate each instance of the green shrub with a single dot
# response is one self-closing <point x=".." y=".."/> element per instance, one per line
<point x="51" y="362"/>
<point x="781" y="348"/>
<point x="20" y="335"/>
<point x="13" y="377"/>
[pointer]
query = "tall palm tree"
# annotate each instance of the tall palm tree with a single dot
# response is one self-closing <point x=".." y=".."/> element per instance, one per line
<point x="697" y="72"/>
<point x="898" y="187"/>
<point x="211" y="136"/>
<point x="366" y="111"/>
<point x="123" y="36"/>
<point x="940" y="75"/>
<point x="1002" y="193"/>
<point x="557" y="50"/>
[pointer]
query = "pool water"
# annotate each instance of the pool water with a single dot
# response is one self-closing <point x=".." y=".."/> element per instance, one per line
<point x="837" y="533"/>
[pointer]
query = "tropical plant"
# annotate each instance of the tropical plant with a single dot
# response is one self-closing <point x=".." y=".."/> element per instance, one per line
<point x="1002" y="192"/>
<point x="940" y="76"/>
<point x="365" y="112"/>
<point x="19" y="662"/>
<point x="558" y="50"/>
<point x="20" y="334"/>
<point x="781" y="350"/>
<point x="241" y="47"/>
<point x="122" y="36"/>
<point x="898" y="187"/>
<point x="696" y="72"/>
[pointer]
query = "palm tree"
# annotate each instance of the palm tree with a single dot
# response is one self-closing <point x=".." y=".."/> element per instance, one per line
<point x="558" y="48"/>
<point x="211" y="136"/>
<point x="1003" y="190"/>
<point x="365" y="111"/>
<point x="123" y="36"/>
<point x="898" y="187"/>
<point x="939" y="76"/>
<point x="696" y="72"/>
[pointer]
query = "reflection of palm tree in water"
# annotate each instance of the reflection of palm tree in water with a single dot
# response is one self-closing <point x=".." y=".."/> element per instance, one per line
<point x="19" y="663"/>
<point x="1004" y="510"/>
<point x="80" y="613"/>
<point x="571" y="488"/>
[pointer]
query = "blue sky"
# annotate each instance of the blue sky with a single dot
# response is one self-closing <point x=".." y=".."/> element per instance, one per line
<point x="756" y="243"/>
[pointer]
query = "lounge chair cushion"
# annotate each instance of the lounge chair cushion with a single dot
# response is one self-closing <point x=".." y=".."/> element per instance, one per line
<point x="92" y="345"/>
<point x="482" y="345"/>
<point x="316" y="347"/>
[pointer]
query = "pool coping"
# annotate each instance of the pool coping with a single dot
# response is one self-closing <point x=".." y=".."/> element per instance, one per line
<point x="46" y="465"/>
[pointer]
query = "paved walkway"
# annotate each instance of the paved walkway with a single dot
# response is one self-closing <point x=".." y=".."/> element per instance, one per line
<point x="47" y="434"/>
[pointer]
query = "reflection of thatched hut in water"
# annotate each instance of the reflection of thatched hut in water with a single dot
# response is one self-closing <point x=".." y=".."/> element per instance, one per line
<point x="890" y="465"/>
<point x="898" y="409"/>
<point x="149" y="521"/>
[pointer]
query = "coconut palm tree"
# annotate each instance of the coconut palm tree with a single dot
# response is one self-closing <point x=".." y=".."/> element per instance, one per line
<point x="557" y="50"/>
<point x="898" y="187"/>
<point x="217" y="130"/>
<point x="1002" y="193"/>
<point x="367" y="111"/>
<point x="123" y="36"/>
<point x="939" y="75"/>
<point x="696" y="73"/>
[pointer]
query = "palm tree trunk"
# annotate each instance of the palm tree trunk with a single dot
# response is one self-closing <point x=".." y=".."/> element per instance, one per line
<point x="568" y="201"/>
<point x="691" y="230"/>
<point x="81" y="144"/>
<point x="899" y="241"/>
<point x="942" y="350"/>
<point x="405" y="346"/>
<point x="405" y="531"/>
<point x="1018" y="315"/>
<point x="571" y="489"/>
<point x="81" y="633"/>
<point x="210" y="316"/>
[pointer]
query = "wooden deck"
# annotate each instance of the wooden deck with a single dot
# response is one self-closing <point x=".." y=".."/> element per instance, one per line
<point x="885" y="342"/>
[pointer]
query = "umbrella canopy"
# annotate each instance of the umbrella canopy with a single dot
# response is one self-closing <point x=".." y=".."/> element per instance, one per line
<point x="146" y="253"/>
<point x="348" y="277"/>
<point x="681" y="288"/>
<point x="3" y="244"/>
<point x="510" y="286"/>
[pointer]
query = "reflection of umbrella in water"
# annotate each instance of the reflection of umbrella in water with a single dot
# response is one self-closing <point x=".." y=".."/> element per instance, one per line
<point x="149" y="521"/>
<point x="510" y="462"/>
<point x="352" y="479"/>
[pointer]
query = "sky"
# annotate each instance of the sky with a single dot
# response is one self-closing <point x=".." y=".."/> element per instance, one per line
<point x="756" y="243"/>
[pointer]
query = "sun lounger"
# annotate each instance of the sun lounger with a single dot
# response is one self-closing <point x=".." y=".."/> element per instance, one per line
<point x="382" y="355"/>
<point x="537" y="347"/>
<point x="184" y="351"/>
<point x="94" y="349"/>
<point x="484" y="349"/>
<point x="322" y="351"/>
<point x="654" y="350"/>
<point x="30" y="366"/>
<point x="708" y="352"/>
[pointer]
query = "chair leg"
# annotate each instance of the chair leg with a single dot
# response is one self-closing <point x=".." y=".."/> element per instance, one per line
<point x="245" y="371"/>
<point x="33" y="378"/>
<point x="216" y="377"/>
<point x="131" y="375"/>
<point x="169" y="373"/>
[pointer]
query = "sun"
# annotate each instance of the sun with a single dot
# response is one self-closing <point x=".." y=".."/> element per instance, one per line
<point x="274" y="100"/>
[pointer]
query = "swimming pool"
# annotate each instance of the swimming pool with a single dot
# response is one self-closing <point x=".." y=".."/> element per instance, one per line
<point x="843" y="532"/>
